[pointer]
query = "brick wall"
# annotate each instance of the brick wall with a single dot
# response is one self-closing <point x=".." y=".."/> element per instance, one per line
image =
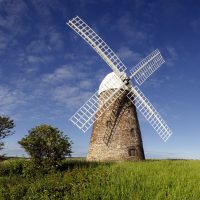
<point x="116" y="134"/>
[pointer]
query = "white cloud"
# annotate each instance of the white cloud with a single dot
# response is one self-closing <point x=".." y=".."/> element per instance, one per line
<point x="71" y="96"/>
<point x="42" y="37"/>
<point x="37" y="46"/>
<point x="12" y="22"/>
<point x="63" y="92"/>
<point x="72" y="85"/>
<point x="172" y="52"/>
<point x="3" y="40"/>
<point x="195" y="25"/>
<point x="45" y="8"/>
<point x="10" y="99"/>
<point x="155" y="82"/>
<point x="130" y="28"/>
<point x="68" y="72"/>
<point x="45" y="95"/>
<point x="28" y="63"/>
<point x="34" y="59"/>
<point x="125" y="53"/>
<point x="69" y="56"/>
<point x="173" y="55"/>
<point x="86" y="84"/>
<point x="55" y="39"/>
<point x="64" y="72"/>
<point x="63" y="87"/>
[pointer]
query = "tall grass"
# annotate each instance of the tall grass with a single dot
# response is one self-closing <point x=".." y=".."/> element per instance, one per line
<point x="78" y="179"/>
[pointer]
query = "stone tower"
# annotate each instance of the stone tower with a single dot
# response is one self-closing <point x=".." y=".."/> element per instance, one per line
<point x="116" y="134"/>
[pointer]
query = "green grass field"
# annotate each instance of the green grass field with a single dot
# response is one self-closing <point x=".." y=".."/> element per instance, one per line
<point x="78" y="179"/>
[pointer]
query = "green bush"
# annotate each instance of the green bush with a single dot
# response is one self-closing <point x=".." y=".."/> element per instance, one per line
<point x="30" y="170"/>
<point x="12" y="167"/>
<point x="46" y="145"/>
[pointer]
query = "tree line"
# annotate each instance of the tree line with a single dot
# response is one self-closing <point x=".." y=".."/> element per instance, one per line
<point x="45" y="144"/>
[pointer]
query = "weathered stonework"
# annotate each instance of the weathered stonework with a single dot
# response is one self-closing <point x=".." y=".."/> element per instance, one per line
<point x="116" y="134"/>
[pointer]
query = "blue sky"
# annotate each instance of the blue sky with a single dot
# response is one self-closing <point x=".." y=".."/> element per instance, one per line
<point x="47" y="71"/>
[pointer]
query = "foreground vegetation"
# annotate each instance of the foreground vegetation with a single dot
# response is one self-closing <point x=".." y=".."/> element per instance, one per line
<point x="78" y="179"/>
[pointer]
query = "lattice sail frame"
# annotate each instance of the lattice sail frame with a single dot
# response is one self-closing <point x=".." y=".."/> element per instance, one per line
<point x="95" y="106"/>
<point x="79" y="26"/>
<point x="146" y="67"/>
<point x="149" y="112"/>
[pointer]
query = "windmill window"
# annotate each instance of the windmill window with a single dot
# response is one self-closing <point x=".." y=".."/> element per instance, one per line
<point x="132" y="152"/>
<point x="132" y="132"/>
<point x="108" y="123"/>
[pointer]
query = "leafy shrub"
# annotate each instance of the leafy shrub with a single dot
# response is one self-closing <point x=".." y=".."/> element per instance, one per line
<point x="12" y="167"/>
<point x="46" y="145"/>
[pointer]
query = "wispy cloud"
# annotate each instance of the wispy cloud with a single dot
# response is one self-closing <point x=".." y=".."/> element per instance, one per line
<point x="38" y="46"/>
<point x="86" y="84"/>
<point x="156" y="82"/>
<point x="195" y="25"/>
<point x="66" y="87"/>
<point x="10" y="99"/>
<point x="131" y="29"/>
<point x="64" y="72"/>
<point x="29" y="45"/>
<point x="125" y="53"/>
<point x="71" y="96"/>
<point x="72" y="85"/>
<point x="41" y="44"/>
<point x="172" y="56"/>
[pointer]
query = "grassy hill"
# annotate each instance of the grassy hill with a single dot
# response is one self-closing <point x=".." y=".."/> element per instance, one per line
<point x="78" y="179"/>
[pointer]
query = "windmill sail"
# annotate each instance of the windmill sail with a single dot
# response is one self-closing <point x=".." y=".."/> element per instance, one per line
<point x="93" y="109"/>
<point x="95" y="106"/>
<point x="147" y="66"/>
<point x="149" y="112"/>
<point x="79" y="26"/>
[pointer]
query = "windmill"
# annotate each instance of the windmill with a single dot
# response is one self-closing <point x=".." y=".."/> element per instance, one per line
<point x="112" y="109"/>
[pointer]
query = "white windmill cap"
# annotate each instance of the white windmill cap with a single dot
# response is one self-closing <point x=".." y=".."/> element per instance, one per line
<point x="106" y="84"/>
